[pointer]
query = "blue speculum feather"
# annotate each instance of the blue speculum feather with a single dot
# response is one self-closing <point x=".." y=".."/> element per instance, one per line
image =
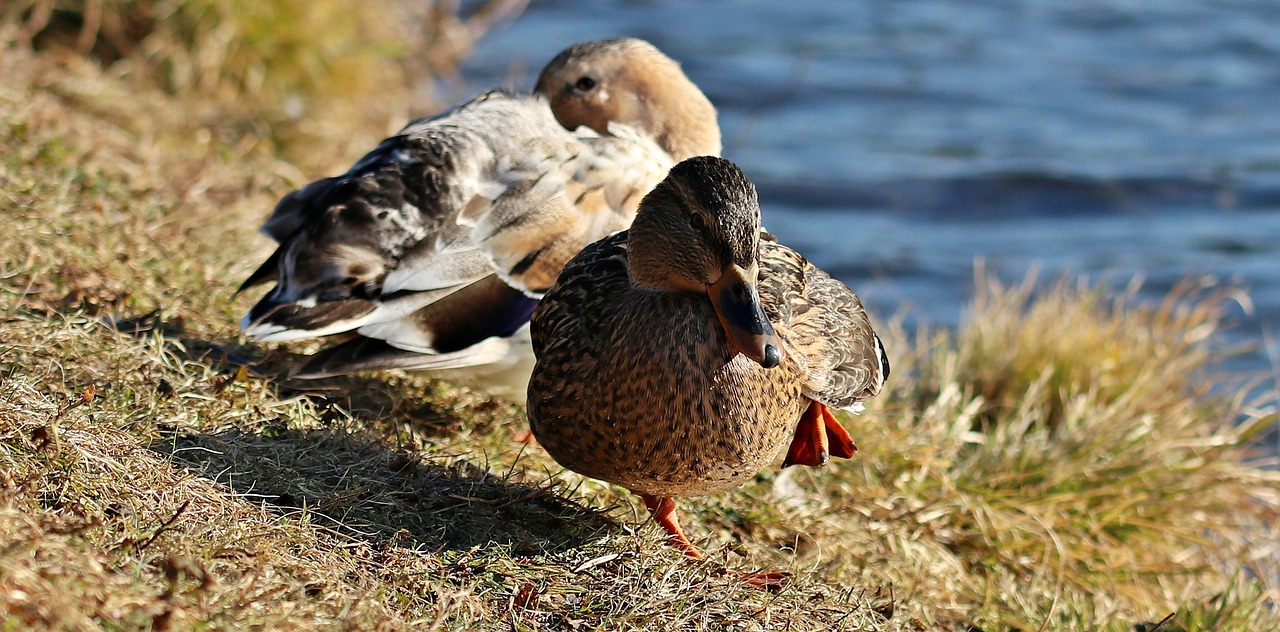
<point x="516" y="314"/>
<point x="513" y="314"/>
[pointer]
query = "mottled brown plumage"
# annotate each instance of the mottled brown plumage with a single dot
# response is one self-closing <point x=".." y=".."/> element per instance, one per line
<point x="651" y="354"/>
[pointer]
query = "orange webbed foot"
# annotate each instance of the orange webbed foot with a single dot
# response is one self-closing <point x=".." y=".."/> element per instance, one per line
<point x="819" y="436"/>
<point x="663" y="509"/>
<point x="526" y="437"/>
<point x="773" y="582"/>
<point x="838" y="440"/>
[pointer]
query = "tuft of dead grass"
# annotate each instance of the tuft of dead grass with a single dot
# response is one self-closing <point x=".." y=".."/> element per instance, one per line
<point x="1061" y="461"/>
<point x="1062" y="346"/>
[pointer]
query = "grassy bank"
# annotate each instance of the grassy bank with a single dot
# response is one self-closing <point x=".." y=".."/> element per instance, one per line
<point x="1059" y="462"/>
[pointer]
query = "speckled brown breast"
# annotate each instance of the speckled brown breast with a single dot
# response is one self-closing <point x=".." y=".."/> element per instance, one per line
<point x="655" y="401"/>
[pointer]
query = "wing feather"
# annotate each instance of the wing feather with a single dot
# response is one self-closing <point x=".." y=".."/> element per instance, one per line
<point x="825" y="327"/>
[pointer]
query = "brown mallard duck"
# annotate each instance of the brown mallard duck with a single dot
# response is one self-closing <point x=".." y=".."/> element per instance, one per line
<point x="680" y="357"/>
<point x="435" y="246"/>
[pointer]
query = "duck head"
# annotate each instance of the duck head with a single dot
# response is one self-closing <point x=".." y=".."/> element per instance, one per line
<point x="699" y="231"/>
<point x="630" y="81"/>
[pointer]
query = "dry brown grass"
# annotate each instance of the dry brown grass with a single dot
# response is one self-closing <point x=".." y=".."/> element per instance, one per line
<point x="1057" y="463"/>
<point x="1053" y="493"/>
<point x="292" y="76"/>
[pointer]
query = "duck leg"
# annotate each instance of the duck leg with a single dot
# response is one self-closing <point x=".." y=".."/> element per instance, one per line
<point x="663" y="509"/>
<point x="819" y="436"/>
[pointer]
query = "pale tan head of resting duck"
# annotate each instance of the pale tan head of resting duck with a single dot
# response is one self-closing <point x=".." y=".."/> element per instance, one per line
<point x="630" y="81"/>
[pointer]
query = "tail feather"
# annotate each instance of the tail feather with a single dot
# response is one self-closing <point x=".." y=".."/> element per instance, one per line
<point x="265" y="272"/>
<point x="500" y="366"/>
<point x="270" y="321"/>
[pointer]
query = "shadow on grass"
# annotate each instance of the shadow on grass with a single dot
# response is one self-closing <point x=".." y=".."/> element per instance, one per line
<point x="432" y="412"/>
<point x="364" y="489"/>
<point x="351" y="477"/>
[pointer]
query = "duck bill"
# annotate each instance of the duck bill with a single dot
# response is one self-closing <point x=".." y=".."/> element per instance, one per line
<point x="737" y="304"/>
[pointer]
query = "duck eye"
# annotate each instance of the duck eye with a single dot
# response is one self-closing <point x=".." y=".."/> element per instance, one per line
<point x="698" y="223"/>
<point x="585" y="83"/>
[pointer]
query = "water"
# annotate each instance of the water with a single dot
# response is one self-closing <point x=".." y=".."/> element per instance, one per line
<point x="895" y="142"/>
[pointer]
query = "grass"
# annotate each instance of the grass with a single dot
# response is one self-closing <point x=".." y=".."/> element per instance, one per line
<point x="1063" y="460"/>
<point x="277" y="73"/>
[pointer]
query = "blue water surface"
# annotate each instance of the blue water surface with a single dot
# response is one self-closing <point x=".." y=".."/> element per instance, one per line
<point x="896" y="142"/>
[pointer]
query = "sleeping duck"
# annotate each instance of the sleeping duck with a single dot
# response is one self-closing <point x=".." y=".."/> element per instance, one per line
<point x="681" y="357"/>
<point x="434" y="248"/>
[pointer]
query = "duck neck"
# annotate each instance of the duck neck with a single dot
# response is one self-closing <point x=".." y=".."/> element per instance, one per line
<point x="680" y="117"/>
<point x="688" y="127"/>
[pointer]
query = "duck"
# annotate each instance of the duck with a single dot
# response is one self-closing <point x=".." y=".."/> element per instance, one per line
<point x="431" y="251"/>
<point x="680" y="357"/>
